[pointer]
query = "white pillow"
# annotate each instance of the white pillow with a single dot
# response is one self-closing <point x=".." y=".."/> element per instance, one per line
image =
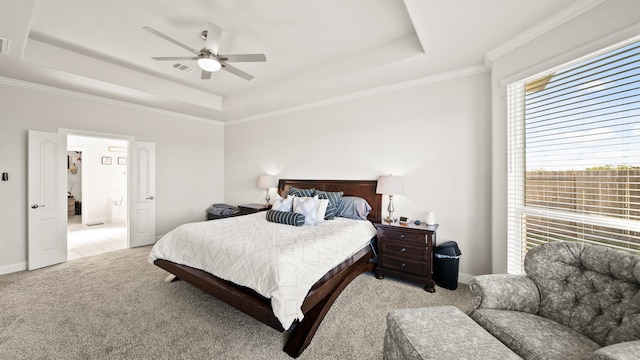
<point x="283" y="204"/>
<point x="322" y="209"/>
<point x="307" y="206"/>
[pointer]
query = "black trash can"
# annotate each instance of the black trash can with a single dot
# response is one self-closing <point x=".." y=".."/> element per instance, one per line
<point x="447" y="261"/>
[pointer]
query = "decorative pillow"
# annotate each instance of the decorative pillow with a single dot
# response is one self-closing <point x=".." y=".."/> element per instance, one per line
<point x="334" y="199"/>
<point x="283" y="204"/>
<point x="283" y="217"/>
<point x="322" y="210"/>
<point x="307" y="206"/>
<point x="353" y="207"/>
<point x="302" y="192"/>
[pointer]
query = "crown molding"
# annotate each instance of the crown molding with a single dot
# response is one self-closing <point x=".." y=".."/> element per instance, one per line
<point x="575" y="9"/>
<point x="99" y="99"/>
<point x="403" y="85"/>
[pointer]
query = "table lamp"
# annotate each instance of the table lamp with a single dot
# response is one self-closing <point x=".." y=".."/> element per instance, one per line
<point x="266" y="182"/>
<point x="391" y="185"/>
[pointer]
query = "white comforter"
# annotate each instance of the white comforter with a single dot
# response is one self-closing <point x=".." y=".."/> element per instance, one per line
<point x="280" y="262"/>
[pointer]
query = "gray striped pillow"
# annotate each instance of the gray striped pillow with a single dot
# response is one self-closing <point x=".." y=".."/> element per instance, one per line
<point x="284" y="217"/>
<point x="334" y="200"/>
<point x="302" y="192"/>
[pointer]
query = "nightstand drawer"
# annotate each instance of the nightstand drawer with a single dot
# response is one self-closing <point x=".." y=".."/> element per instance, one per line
<point x="405" y="265"/>
<point x="400" y="234"/>
<point x="404" y="250"/>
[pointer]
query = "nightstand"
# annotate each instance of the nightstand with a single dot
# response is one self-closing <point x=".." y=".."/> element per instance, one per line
<point x="246" y="209"/>
<point x="406" y="252"/>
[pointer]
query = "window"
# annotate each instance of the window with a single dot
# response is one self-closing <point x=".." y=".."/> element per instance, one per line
<point x="574" y="155"/>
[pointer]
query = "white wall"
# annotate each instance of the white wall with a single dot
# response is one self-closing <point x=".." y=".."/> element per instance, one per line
<point x="190" y="156"/>
<point x="602" y="26"/>
<point x="436" y="136"/>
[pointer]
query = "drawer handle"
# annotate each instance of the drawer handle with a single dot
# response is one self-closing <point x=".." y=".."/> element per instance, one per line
<point x="403" y="250"/>
<point x="403" y="265"/>
<point x="402" y="236"/>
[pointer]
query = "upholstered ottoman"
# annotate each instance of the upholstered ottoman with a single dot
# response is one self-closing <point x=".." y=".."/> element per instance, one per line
<point x="439" y="332"/>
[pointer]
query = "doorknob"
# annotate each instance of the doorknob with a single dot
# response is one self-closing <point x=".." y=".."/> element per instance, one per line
<point x="35" y="206"/>
<point x="150" y="197"/>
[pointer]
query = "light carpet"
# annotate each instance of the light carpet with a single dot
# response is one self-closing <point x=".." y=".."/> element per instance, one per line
<point x="117" y="306"/>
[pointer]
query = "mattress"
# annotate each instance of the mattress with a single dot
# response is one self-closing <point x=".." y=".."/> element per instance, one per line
<point x="280" y="262"/>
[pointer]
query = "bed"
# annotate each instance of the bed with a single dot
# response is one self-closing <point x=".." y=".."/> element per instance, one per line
<point x="322" y="294"/>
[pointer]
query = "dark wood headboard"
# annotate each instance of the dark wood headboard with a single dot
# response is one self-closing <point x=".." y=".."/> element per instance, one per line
<point x="365" y="189"/>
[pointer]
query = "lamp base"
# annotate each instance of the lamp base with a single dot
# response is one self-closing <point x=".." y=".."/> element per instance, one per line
<point x="267" y="197"/>
<point x="390" y="209"/>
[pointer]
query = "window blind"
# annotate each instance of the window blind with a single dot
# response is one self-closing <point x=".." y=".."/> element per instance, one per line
<point x="574" y="155"/>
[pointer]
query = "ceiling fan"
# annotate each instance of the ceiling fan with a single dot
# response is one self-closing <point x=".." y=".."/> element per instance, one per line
<point x="208" y="57"/>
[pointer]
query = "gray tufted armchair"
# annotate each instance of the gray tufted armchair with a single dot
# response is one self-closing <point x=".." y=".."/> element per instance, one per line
<point x="576" y="301"/>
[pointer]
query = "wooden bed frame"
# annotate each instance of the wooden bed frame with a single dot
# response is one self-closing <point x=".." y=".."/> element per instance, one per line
<point x="321" y="296"/>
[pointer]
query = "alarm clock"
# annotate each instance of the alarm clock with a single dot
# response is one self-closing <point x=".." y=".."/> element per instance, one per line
<point x="404" y="220"/>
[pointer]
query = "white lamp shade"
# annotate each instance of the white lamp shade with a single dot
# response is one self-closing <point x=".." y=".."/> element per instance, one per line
<point x="389" y="184"/>
<point x="266" y="181"/>
<point x="209" y="63"/>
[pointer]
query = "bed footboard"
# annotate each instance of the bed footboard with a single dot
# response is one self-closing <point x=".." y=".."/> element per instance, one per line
<point x="304" y="330"/>
<point x="242" y="298"/>
<point x="315" y="306"/>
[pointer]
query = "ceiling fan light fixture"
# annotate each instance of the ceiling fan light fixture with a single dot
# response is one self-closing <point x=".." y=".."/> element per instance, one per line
<point x="209" y="63"/>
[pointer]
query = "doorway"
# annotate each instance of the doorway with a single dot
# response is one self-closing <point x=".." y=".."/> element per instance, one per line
<point x="48" y="196"/>
<point x="96" y="194"/>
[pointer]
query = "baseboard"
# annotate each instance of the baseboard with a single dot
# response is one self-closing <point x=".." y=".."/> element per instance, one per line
<point x="8" y="269"/>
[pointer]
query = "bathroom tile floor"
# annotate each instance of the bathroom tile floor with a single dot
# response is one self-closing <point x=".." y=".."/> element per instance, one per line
<point x="84" y="240"/>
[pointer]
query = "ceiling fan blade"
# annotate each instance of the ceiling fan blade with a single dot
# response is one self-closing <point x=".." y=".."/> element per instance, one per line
<point x="236" y="71"/>
<point x="176" y="42"/>
<point x="206" y="75"/>
<point x="162" y="58"/>
<point x="243" y="57"/>
<point x="214" y="34"/>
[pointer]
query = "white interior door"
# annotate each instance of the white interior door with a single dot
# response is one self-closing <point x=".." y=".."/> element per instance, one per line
<point x="142" y="229"/>
<point x="47" y="199"/>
